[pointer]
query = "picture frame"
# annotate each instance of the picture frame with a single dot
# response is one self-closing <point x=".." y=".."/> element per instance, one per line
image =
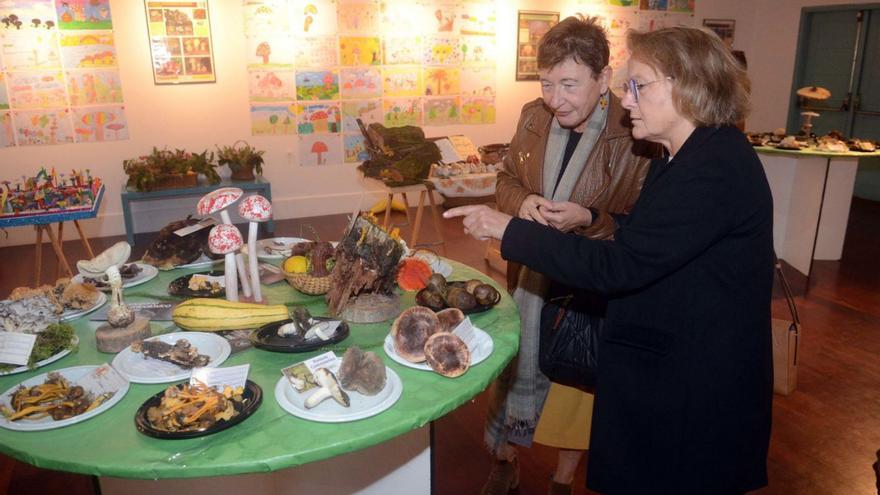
<point x="724" y="28"/>
<point x="531" y="26"/>
<point x="181" y="48"/>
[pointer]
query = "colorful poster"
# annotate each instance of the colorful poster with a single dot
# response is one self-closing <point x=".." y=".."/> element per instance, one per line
<point x="478" y="50"/>
<point x="320" y="149"/>
<point x="478" y="81"/>
<point x="4" y="96"/>
<point x="478" y="19"/>
<point x="316" y="51"/>
<point x="477" y="110"/>
<point x="30" y="90"/>
<point x="361" y="83"/>
<point x="443" y="18"/>
<point x="7" y="130"/>
<point x="187" y="21"/>
<point x="273" y="119"/>
<point x="442" y="81"/>
<point x="97" y="124"/>
<point x="359" y="50"/>
<point x="29" y="49"/>
<point x="319" y="118"/>
<point x="685" y="6"/>
<point x="88" y="51"/>
<point x="317" y="85"/>
<point x="397" y="17"/>
<point x="441" y="50"/>
<point x="442" y="111"/>
<point x="652" y="4"/>
<point x="402" y="111"/>
<point x="93" y="87"/>
<point x="311" y="17"/>
<point x="402" y="50"/>
<point x="43" y="127"/>
<point x="268" y="85"/>
<point x="623" y="3"/>
<point x="269" y="52"/>
<point x="368" y="111"/>
<point x="24" y="15"/>
<point x="401" y="81"/>
<point x="355" y="149"/>
<point x="357" y="16"/>
<point x="264" y="16"/>
<point x="83" y="14"/>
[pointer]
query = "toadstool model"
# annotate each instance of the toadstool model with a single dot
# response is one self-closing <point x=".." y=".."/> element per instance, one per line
<point x="218" y="201"/>
<point x="226" y="239"/>
<point x="255" y="209"/>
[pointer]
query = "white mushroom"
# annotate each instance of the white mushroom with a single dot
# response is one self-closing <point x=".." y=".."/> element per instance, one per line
<point x="116" y="255"/>
<point x="329" y="387"/>
<point x="226" y="239"/>
<point x="256" y="209"/>
<point x="217" y="201"/>
<point x="323" y="330"/>
<point x="120" y="314"/>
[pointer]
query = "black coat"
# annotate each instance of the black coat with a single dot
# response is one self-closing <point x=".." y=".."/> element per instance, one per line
<point x="685" y="376"/>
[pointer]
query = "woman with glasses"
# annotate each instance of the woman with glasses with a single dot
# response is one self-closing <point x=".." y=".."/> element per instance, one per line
<point x="572" y="153"/>
<point x="684" y="390"/>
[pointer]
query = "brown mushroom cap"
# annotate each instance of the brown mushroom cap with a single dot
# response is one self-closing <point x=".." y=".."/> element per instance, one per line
<point x="362" y="371"/>
<point x="447" y="354"/>
<point x="450" y="318"/>
<point x="411" y="330"/>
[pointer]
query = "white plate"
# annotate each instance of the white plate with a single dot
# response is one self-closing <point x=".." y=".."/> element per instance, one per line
<point x="71" y="314"/>
<point x="47" y="423"/>
<point x="262" y="254"/>
<point x="140" y="369"/>
<point x="330" y="411"/>
<point x="482" y="349"/>
<point x="147" y="273"/>
<point x="201" y="262"/>
<point x="51" y="359"/>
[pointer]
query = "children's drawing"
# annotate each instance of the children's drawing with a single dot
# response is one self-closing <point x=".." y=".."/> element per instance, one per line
<point x="83" y="14"/>
<point x="355" y="149"/>
<point x="357" y="16"/>
<point x="29" y="49"/>
<point x="361" y="83"/>
<point x="478" y="81"/>
<point x="478" y="50"/>
<point x="96" y="124"/>
<point x="441" y="50"/>
<point x="86" y="51"/>
<point x="402" y="50"/>
<point x="477" y="110"/>
<point x="652" y="4"/>
<point x="686" y="6"/>
<point x="444" y="18"/>
<point x="620" y="3"/>
<point x="368" y="111"/>
<point x="43" y="127"/>
<point x="402" y="111"/>
<point x="401" y="81"/>
<point x="316" y="51"/>
<point x="26" y="15"/>
<point x="442" y="81"/>
<point x="319" y="149"/>
<point x="397" y="17"/>
<point x="265" y="16"/>
<point x="318" y="119"/>
<point x="93" y="87"/>
<point x="7" y="130"/>
<point x="442" y="111"/>
<point x="29" y="90"/>
<point x="311" y="17"/>
<point x="270" y="52"/>
<point x="479" y="19"/>
<point x="359" y="50"/>
<point x="317" y="85"/>
<point x="268" y="120"/>
<point x="269" y="85"/>
<point x="4" y="96"/>
<point x="618" y="23"/>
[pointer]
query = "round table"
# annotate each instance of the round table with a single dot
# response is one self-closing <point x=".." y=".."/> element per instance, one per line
<point x="271" y="439"/>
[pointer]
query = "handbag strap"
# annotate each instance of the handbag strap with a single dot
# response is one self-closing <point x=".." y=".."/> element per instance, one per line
<point x="786" y="289"/>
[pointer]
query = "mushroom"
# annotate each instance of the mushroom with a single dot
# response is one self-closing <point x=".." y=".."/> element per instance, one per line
<point x="329" y="387"/>
<point x="120" y="314"/>
<point x="411" y="330"/>
<point x="361" y="371"/>
<point x="217" y="201"/>
<point x="447" y="354"/>
<point x="116" y="255"/>
<point x="255" y="209"/>
<point x="450" y="318"/>
<point x="226" y="239"/>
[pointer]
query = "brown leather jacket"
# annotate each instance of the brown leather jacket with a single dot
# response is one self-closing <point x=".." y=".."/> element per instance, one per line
<point x="610" y="182"/>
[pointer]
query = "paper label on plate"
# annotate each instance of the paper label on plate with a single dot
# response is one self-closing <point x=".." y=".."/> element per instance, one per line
<point x="233" y="376"/>
<point x="102" y="380"/>
<point x="270" y="274"/>
<point x="465" y="331"/>
<point x="15" y="348"/>
<point x="154" y="311"/>
<point x="205" y="222"/>
<point x="301" y="375"/>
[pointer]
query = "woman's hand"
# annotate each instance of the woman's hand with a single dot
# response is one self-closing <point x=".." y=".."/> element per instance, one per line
<point x="566" y="216"/>
<point x="531" y="208"/>
<point x="480" y="221"/>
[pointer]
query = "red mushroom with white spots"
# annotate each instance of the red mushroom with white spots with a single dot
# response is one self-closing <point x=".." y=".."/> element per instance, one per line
<point x="255" y="209"/>
<point x="226" y="239"/>
<point x="219" y="200"/>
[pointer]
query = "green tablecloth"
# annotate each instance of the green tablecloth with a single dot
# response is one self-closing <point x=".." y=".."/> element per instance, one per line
<point x="271" y="439"/>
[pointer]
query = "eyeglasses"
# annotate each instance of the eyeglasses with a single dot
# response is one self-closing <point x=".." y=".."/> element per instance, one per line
<point x="631" y="86"/>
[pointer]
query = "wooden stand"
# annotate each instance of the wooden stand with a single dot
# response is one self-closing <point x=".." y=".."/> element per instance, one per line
<point x="57" y="247"/>
<point x="424" y="189"/>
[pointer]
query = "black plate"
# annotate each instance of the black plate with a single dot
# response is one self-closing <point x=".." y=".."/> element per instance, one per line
<point x="180" y="286"/>
<point x="251" y="399"/>
<point x="266" y="337"/>
<point x="479" y="308"/>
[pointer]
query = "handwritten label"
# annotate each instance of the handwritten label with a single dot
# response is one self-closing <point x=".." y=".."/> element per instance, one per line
<point x="103" y="380"/>
<point x="217" y="378"/>
<point x="15" y="348"/>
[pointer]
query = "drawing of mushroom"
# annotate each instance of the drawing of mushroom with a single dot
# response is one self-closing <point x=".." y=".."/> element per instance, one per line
<point x="116" y="127"/>
<point x="319" y="148"/>
<point x="226" y="239"/>
<point x="218" y="201"/>
<point x="255" y="209"/>
<point x="264" y="50"/>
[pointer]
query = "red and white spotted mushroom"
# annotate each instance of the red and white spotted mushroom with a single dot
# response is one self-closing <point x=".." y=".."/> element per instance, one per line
<point x="255" y="209"/>
<point x="226" y="239"/>
<point x="219" y="200"/>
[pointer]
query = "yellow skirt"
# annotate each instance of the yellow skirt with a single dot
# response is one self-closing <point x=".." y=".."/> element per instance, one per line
<point x="565" y="420"/>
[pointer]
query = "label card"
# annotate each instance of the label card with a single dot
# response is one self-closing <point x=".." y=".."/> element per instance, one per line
<point x="465" y="331"/>
<point x="203" y="223"/>
<point x="301" y="375"/>
<point x="217" y="378"/>
<point x="15" y="348"/>
<point x="104" y="379"/>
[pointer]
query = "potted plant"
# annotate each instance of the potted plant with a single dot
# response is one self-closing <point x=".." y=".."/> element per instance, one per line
<point x="166" y="169"/>
<point x="242" y="159"/>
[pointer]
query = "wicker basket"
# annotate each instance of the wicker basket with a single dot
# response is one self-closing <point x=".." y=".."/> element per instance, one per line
<point x="307" y="284"/>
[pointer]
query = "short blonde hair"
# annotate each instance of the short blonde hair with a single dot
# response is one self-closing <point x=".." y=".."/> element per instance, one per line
<point x="710" y="87"/>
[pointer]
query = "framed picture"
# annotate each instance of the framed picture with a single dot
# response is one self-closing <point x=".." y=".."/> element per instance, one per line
<point x="180" y="41"/>
<point x="724" y="28"/>
<point x="531" y="26"/>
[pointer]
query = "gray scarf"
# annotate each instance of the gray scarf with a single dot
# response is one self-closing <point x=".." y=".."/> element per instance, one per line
<point x="518" y="396"/>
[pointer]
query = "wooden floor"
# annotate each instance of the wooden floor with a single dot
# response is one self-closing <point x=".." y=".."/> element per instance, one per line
<point x="825" y="435"/>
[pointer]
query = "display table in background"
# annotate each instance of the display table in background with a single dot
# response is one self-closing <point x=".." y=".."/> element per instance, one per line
<point x="466" y="189"/>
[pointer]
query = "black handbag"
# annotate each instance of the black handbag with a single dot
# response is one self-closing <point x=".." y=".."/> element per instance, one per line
<point x="569" y="342"/>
